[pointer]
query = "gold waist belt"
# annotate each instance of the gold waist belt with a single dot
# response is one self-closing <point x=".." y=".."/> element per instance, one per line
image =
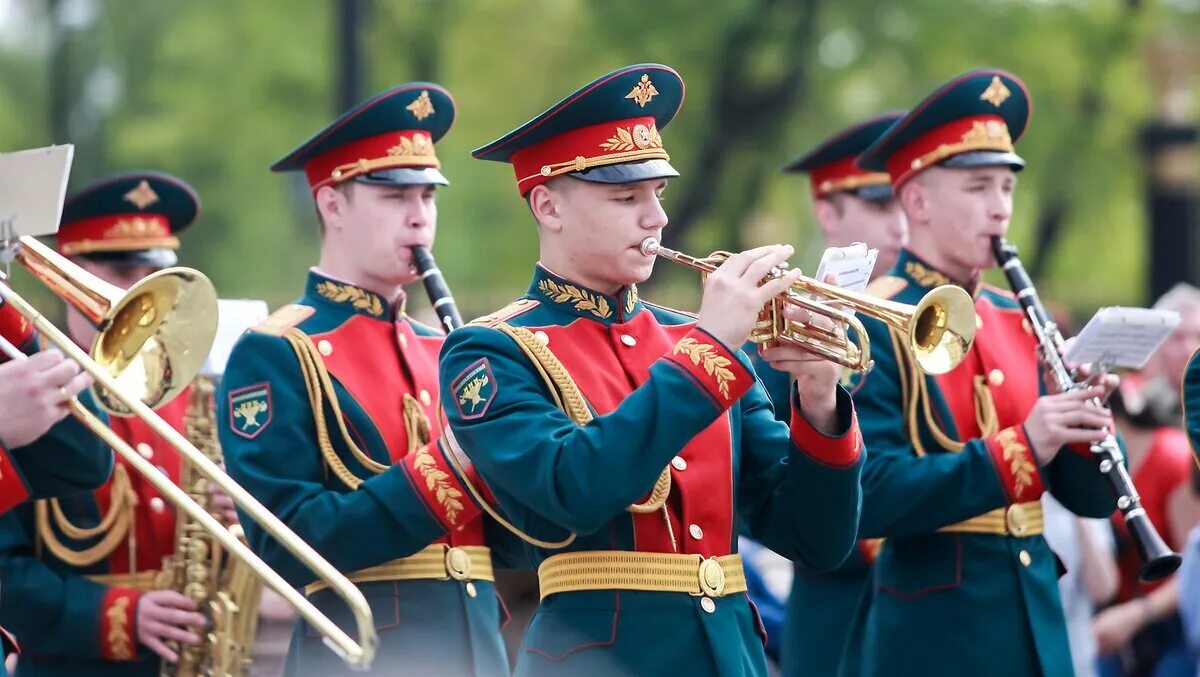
<point x="436" y="562"/>
<point x="142" y="580"/>
<point x="1018" y="519"/>
<point x="649" y="571"/>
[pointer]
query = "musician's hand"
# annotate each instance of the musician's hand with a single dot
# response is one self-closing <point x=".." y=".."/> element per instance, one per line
<point x="219" y="503"/>
<point x="1065" y="418"/>
<point x="35" y="392"/>
<point x="816" y="378"/>
<point x="167" y="616"/>
<point x="733" y="298"/>
<point x="1116" y="625"/>
<point x="1086" y="372"/>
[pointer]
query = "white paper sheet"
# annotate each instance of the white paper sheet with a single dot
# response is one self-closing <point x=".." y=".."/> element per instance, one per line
<point x="33" y="185"/>
<point x="1122" y="337"/>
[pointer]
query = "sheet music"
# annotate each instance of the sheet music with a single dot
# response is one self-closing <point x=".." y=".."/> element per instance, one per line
<point x="1122" y="337"/>
<point x="33" y="186"/>
<point x="234" y="317"/>
<point x="852" y="265"/>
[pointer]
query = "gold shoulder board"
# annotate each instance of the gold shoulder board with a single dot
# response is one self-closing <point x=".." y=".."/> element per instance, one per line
<point x="506" y="313"/>
<point x="283" y="319"/>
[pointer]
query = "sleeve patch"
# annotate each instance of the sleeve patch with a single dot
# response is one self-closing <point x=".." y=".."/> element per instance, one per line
<point x="250" y="410"/>
<point x="474" y="390"/>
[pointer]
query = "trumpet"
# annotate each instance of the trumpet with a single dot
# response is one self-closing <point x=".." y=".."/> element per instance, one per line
<point x="939" y="329"/>
<point x="152" y="341"/>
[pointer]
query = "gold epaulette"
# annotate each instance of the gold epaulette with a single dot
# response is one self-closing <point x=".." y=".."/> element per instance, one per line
<point x="283" y="319"/>
<point x="506" y="313"/>
<point x="886" y="286"/>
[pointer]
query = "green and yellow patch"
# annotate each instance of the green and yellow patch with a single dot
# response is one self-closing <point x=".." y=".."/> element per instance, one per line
<point x="250" y="410"/>
<point x="474" y="389"/>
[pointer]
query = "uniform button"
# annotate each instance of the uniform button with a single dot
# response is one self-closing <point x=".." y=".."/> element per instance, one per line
<point x="471" y="591"/>
<point x="708" y="605"/>
<point x="325" y="347"/>
<point x="403" y="340"/>
<point x="425" y="399"/>
<point x="157" y="504"/>
<point x="1025" y="557"/>
<point x="978" y="322"/>
<point x="696" y="532"/>
<point x="678" y="463"/>
<point x="996" y="377"/>
<point x="542" y="337"/>
<point x="628" y="340"/>
<point x="145" y="450"/>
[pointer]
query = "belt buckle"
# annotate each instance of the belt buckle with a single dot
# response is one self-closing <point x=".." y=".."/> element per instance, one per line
<point x="712" y="578"/>
<point x="1017" y="519"/>
<point x="458" y="564"/>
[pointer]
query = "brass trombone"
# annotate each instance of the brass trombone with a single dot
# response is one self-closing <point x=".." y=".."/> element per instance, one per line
<point x="939" y="329"/>
<point x="152" y="341"/>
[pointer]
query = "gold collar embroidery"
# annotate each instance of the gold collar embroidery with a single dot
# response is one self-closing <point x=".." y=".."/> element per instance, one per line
<point x="360" y="299"/>
<point x="581" y="299"/>
<point x="925" y="276"/>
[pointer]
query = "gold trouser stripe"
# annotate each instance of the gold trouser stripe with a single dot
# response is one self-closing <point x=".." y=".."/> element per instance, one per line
<point x="142" y="580"/>
<point x="472" y="562"/>
<point x="1018" y="519"/>
<point x="648" y="571"/>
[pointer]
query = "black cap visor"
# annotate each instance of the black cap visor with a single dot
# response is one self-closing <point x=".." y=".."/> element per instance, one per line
<point x="985" y="158"/>
<point x="404" y="176"/>
<point x="628" y="172"/>
<point x="158" y="257"/>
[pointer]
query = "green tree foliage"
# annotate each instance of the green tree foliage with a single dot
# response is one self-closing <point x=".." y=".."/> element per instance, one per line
<point x="215" y="91"/>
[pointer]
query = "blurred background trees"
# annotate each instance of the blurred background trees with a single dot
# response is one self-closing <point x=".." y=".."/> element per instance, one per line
<point x="215" y="91"/>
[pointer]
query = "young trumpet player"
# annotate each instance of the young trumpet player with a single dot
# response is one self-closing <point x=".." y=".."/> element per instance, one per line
<point x="624" y="441"/>
<point x="965" y="584"/>
<point x="328" y="410"/>
<point x="80" y="572"/>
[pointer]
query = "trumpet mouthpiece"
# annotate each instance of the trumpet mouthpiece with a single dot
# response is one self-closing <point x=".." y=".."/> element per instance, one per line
<point x="650" y="246"/>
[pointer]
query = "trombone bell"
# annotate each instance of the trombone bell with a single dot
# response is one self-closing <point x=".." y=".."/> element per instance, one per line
<point x="152" y="339"/>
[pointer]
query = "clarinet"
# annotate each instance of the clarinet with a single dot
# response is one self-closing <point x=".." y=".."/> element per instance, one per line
<point x="437" y="289"/>
<point x="1157" y="560"/>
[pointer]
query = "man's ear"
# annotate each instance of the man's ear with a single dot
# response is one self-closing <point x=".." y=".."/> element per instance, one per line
<point x="914" y="198"/>
<point x="827" y="216"/>
<point x="543" y="202"/>
<point x="330" y="205"/>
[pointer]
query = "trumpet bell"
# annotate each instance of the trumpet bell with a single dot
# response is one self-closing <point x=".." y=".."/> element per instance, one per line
<point x="942" y="329"/>
<point x="155" y="338"/>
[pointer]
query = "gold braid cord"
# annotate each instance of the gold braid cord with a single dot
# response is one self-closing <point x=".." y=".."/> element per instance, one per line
<point x="416" y="424"/>
<point x="320" y="387"/>
<point x="571" y="401"/>
<point x="915" y="394"/>
<point x="115" y="526"/>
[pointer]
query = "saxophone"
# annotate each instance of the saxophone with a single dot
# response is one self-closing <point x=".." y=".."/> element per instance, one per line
<point x="225" y="590"/>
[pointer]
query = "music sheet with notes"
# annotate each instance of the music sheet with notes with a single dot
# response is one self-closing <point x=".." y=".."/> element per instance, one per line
<point x="1122" y="337"/>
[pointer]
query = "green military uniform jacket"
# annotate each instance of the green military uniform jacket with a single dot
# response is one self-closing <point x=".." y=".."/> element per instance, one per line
<point x="663" y="394"/>
<point x="364" y="485"/>
<point x="944" y="450"/>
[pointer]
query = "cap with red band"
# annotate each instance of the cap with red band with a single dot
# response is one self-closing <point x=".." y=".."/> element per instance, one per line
<point x="831" y="164"/>
<point x="387" y="139"/>
<point x="132" y="218"/>
<point x="608" y="132"/>
<point x="971" y="121"/>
